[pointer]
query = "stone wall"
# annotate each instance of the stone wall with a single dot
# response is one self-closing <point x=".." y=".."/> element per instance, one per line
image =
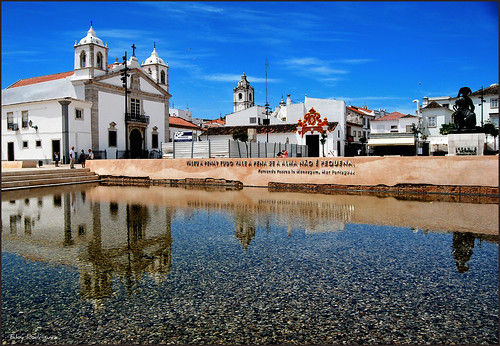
<point x="474" y="171"/>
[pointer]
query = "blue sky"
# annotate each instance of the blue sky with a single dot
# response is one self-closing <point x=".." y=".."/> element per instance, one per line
<point x="378" y="54"/>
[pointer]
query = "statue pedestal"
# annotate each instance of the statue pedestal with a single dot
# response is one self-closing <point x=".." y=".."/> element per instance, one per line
<point x="466" y="144"/>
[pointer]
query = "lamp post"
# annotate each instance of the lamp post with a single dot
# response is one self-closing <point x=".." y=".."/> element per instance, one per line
<point x="482" y="100"/>
<point x="124" y="80"/>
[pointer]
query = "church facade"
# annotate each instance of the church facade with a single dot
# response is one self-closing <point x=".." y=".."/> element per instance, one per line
<point x="87" y="108"/>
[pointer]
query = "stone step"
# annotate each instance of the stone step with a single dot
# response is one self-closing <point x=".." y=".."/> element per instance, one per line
<point x="48" y="175"/>
<point x="38" y="171"/>
<point x="19" y="184"/>
<point x="28" y="178"/>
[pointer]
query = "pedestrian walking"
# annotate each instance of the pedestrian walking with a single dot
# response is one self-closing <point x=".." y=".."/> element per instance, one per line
<point x="83" y="157"/>
<point x="72" y="158"/>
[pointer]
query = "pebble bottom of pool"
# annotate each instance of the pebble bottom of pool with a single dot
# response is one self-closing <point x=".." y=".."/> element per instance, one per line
<point x="232" y="277"/>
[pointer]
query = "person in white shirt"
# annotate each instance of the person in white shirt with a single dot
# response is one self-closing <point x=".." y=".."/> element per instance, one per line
<point x="72" y="158"/>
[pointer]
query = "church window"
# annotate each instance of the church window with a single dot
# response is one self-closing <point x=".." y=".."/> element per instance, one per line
<point x="78" y="113"/>
<point x="240" y="96"/>
<point x="112" y="138"/>
<point x="162" y="78"/>
<point x="99" y="60"/>
<point x="25" y="119"/>
<point x="38" y="143"/>
<point x="154" y="140"/>
<point x="250" y="97"/>
<point x="83" y="58"/>
<point x="25" y="144"/>
<point x="10" y="120"/>
<point x="135" y="106"/>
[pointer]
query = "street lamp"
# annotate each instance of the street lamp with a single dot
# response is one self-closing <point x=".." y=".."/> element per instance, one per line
<point x="30" y="123"/>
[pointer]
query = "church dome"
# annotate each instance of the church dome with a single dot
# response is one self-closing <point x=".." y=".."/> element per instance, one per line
<point x="154" y="59"/>
<point x="91" y="38"/>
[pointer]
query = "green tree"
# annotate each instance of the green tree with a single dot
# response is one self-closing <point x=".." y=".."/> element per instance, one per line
<point x="446" y="129"/>
<point x="490" y="129"/>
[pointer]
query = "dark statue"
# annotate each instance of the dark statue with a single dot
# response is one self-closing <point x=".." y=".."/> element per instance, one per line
<point x="464" y="117"/>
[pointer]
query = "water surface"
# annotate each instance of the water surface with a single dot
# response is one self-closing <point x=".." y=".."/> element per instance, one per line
<point x="100" y="264"/>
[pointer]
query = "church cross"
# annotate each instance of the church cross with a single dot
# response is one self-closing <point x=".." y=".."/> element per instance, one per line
<point x="133" y="49"/>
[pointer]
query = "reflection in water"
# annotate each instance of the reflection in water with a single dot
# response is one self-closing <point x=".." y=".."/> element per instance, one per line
<point x="463" y="243"/>
<point x="113" y="239"/>
<point x="156" y="265"/>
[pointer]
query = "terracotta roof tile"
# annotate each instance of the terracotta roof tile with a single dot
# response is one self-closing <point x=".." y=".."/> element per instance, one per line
<point x="41" y="79"/>
<point x="433" y="104"/>
<point x="394" y="116"/>
<point x="179" y="122"/>
<point x="491" y="90"/>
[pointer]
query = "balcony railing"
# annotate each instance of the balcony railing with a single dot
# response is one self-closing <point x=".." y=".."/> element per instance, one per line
<point x="138" y="118"/>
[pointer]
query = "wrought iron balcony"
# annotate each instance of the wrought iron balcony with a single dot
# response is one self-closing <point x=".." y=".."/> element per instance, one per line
<point x="138" y="118"/>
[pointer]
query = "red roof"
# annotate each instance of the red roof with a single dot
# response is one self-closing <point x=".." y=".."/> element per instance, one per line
<point x="35" y="80"/>
<point x="360" y="110"/>
<point x="215" y="122"/>
<point x="47" y="78"/>
<point x="393" y="116"/>
<point x="179" y="122"/>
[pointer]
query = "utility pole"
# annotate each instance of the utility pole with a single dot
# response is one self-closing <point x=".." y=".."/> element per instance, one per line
<point x="482" y="100"/>
<point x="267" y="110"/>
<point x="125" y="74"/>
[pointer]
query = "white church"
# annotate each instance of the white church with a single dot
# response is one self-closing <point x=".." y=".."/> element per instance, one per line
<point x="87" y="109"/>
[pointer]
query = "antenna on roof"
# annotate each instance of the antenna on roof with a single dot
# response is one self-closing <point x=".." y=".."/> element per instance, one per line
<point x="267" y="108"/>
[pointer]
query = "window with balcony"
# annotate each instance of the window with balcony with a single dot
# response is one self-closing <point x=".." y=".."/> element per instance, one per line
<point x="135" y="106"/>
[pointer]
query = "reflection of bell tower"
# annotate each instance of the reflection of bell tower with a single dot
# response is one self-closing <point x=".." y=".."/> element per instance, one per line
<point x="244" y="227"/>
<point x="463" y="243"/>
<point x="243" y="95"/>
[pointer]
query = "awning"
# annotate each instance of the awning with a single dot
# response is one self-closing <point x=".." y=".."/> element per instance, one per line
<point x="391" y="141"/>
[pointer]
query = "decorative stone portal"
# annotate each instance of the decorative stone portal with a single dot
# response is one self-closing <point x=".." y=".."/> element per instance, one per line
<point x="136" y="143"/>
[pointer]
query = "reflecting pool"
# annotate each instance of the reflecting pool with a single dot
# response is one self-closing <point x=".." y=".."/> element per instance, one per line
<point x="161" y="265"/>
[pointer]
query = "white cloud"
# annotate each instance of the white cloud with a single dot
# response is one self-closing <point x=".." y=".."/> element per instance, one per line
<point x="223" y="77"/>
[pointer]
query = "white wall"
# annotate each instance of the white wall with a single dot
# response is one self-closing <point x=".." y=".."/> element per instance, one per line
<point x="47" y="115"/>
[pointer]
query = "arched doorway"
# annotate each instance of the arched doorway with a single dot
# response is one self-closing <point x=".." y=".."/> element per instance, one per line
<point x="135" y="144"/>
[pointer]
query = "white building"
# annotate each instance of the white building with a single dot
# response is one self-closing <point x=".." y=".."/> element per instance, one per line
<point x="433" y="117"/>
<point x="486" y="110"/>
<point x="392" y="135"/>
<point x="85" y="108"/>
<point x="283" y="122"/>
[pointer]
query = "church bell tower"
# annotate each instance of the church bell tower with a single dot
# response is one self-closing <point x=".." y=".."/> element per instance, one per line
<point x="243" y="95"/>
<point x="91" y="56"/>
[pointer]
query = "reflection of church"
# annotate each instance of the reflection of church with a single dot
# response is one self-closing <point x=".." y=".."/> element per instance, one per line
<point x="139" y="255"/>
<point x="104" y="240"/>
